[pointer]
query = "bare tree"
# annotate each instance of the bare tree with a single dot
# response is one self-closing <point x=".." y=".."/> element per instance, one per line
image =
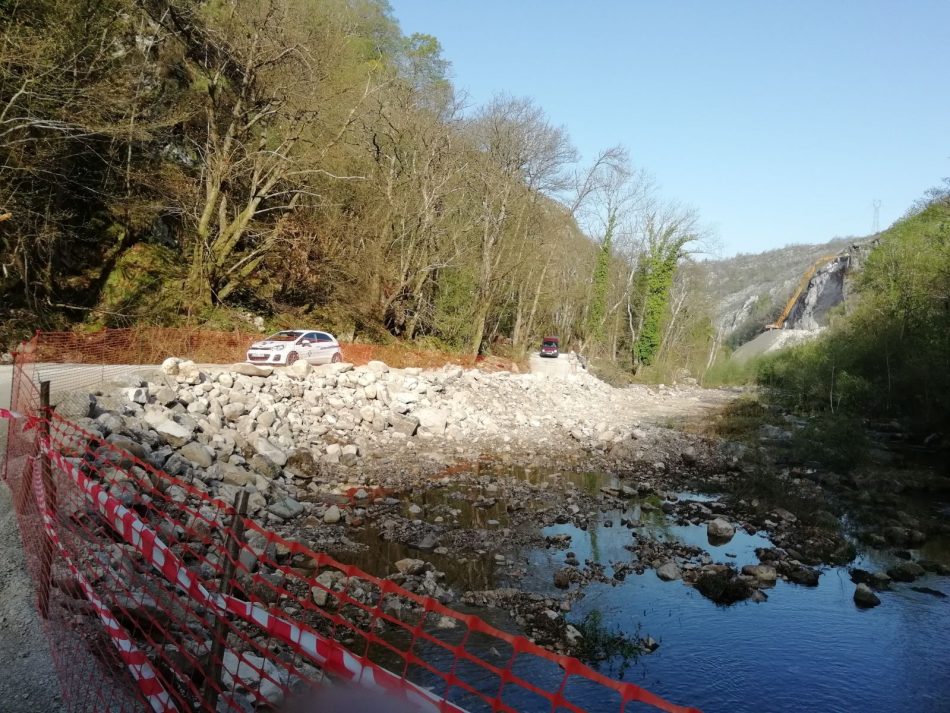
<point x="266" y="141"/>
<point x="518" y="156"/>
<point x="606" y="200"/>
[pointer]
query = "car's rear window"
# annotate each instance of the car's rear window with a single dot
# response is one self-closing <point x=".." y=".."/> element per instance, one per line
<point x="549" y="344"/>
<point x="284" y="336"/>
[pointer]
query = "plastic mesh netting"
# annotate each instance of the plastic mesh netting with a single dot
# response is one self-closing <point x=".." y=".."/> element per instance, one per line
<point x="157" y="596"/>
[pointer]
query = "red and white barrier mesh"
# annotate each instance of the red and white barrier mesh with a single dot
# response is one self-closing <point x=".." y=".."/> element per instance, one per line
<point x="138" y="664"/>
<point x="325" y="653"/>
<point x="147" y="610"/>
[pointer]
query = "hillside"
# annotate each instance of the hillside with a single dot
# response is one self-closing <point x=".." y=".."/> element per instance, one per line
<point x="889" y="355"/>
<point x="750" y="290"/>
<point x="308" y="162"/>
<point x="299" y="161"/>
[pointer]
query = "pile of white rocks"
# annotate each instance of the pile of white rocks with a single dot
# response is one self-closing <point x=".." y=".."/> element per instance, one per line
<point x="338" y="412"/>
<point x="279" y="432"/>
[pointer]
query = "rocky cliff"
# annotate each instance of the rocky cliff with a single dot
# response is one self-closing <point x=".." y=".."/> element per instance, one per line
<point x="752" y="290"/>
<point x="829" y="287"/>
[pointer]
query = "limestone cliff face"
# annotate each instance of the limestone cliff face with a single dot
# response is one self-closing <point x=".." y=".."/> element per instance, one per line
<point x="828" y="288"/>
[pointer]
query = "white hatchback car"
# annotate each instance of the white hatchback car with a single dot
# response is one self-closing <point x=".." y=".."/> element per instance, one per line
<point x="284" y="348"/>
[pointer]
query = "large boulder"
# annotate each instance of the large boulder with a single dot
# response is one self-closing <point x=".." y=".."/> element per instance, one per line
<point x="428" y="542"/>
<point x="410" y="566"/>
<point x="406" y="425"/>
<point x="905" y="571"/>
<point x="109" y="422"/>
<point x="720" y="530"/>
<point x="433" y="420"/>
<point x="286" y="508"/>
<point x="301" y="464"/>
<point x="266" y="419"/>
<point x="264" y="466"/>
<point x="806" y="576"/>
<point x="864" y="597"/>
<point x="138" y="395"/>
<point x="377" y="367"/>
<point x="669" y="571"/>
<point x="764" y="573"/>
<point x="189" y="371"/>
<point x="562" y="578"/>
<point x="722" y="586"/>
<point x="300" y="369"/>
<point x="173" y="433"/>
<point x="233" y="411"/>
<point x="198" y="454"/>
<point x="127" y="445"/>
<point x="267" y="449"/>
<point x="252" y="369"/>
<point x="165" y="396"/>
<point x="230" y="474"/>
<point x="170" y="366"/>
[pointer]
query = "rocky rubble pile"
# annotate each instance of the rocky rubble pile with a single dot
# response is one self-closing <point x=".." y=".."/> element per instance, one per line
<point x="288" y="434"/>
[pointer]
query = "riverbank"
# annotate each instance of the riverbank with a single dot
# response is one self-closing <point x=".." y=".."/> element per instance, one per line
<point x="524" y="498"/>
<point x="331" y="453"/>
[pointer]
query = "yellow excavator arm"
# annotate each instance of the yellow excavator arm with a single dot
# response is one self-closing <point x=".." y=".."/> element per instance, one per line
<point x="793" y="300"/>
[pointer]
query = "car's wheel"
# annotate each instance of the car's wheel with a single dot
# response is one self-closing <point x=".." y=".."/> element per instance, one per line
<point x="337" y="358"/>
<point x="292" y="357"/>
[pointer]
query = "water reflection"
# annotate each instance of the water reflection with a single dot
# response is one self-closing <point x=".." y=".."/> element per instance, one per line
<point x="806" y="648"/>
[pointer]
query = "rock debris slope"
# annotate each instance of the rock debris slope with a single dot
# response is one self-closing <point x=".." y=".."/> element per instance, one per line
<point x="276" y="431"/>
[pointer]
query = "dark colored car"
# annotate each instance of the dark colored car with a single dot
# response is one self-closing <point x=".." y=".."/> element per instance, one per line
<point x="550" y="347"/>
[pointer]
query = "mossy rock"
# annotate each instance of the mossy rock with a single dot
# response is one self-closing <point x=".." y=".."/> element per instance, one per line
<point x="144" y="284"/>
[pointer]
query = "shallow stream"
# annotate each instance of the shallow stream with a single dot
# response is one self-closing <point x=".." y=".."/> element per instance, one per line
<point x="806" y="648"/>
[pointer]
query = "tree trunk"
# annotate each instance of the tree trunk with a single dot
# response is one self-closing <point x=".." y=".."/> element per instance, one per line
<point x="199" y="284"/>
<point x="417" y="299"/>
<point x="481" y="316"/>
<point x="537" y="297"/>
<point x="519" y="318"/>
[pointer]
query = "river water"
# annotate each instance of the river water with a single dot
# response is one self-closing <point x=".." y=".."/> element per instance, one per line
<point x="805" y="649"/>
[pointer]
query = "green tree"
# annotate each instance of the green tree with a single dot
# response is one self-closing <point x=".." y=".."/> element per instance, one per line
<point x="597" y="312"/>
<point x="668" y="232"/>
<point x="889" y="354"/>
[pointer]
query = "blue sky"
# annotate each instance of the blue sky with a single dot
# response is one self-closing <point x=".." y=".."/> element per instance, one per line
<point x="781" y="122"/>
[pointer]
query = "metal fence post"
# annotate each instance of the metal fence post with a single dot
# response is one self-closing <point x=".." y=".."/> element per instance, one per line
<point x="49" y="496"/>
<point x="232" y="549"/>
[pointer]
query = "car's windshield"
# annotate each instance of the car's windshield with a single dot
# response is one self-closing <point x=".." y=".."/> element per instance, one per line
<point x="284" y="337"/>
<point x="549" y="344"/>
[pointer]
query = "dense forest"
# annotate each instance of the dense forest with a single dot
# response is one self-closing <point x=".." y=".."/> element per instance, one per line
<point x="189" y="161"/>
<point x="203" y="161"/>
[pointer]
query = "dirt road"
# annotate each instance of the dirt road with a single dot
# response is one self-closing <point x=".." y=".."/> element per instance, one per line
<point x="557" y="368"/>
<point x="27" y="678"/>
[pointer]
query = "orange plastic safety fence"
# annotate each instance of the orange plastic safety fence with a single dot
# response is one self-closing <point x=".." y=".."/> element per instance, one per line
<point x="151" y="345"/>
